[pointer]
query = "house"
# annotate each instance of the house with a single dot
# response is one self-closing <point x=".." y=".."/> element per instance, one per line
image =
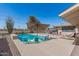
<point x="66" y="28"/>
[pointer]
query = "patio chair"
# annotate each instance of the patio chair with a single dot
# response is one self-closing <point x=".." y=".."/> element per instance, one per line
<point x="68" y="36"/>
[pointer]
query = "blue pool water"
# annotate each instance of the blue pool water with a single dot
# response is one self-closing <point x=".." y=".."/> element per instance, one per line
<point x="27" y="38"/>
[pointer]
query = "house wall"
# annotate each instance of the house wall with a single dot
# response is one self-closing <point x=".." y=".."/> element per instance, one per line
<point x="67" y="30"/>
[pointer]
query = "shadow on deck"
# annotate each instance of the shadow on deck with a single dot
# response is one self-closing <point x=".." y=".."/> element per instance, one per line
<point x="4" y="48"/>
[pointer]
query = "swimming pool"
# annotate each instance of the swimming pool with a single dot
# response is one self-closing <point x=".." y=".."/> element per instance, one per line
<point x="30" y="38"/>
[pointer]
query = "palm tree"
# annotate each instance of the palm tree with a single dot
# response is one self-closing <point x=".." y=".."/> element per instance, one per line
<point x="9" y="25"/>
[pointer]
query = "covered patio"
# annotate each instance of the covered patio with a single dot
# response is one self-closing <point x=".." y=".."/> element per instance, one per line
<point x="71" y="15"/>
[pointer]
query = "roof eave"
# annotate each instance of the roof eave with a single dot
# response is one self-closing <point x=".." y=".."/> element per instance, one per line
<point x="68" y="10"/>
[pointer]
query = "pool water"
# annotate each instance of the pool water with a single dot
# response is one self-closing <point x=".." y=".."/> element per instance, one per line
<point x="29" y="38"/>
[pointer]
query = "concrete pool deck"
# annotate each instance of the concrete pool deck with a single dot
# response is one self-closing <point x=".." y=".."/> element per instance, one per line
<point x="54" y="47"/>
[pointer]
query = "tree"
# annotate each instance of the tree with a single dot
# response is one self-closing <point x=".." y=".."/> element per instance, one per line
<point x="32" y="23"/>
<point x="9" y="25"/>
<point x="33" y="19"/>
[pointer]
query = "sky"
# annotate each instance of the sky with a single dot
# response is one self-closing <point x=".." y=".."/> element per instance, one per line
<point x="46" y="13"/>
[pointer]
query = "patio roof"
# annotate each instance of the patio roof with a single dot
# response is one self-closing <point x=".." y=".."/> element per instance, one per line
<point x="71" y="15"/>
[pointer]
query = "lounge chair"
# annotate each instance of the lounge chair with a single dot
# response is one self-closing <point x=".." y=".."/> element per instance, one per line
<point x="68" y="36"/>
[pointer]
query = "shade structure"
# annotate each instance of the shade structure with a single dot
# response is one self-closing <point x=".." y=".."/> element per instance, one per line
<point x="71" y="15"/>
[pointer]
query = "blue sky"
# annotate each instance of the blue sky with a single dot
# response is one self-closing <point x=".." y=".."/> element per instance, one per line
<point x="46" y="13"/>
